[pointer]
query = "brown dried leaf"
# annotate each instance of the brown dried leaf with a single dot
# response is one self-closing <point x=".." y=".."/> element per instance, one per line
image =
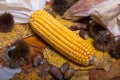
<point x="103" y="75"/>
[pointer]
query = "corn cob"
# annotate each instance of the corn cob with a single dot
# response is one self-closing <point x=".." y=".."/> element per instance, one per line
<point x="62" y="39"/>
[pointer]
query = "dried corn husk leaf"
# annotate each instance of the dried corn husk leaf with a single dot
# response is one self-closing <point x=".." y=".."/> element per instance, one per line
<point x="81" y="9"/>
<point x="104" y="12"/>
<point x="35" y="41"/>
<point x="107" y="14"/>
<point x="37" y="47"/>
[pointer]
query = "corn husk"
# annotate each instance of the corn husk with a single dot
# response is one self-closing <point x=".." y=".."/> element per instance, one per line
<point x="104" y="12"/>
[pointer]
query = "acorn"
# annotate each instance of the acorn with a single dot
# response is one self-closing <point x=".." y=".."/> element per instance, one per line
<point x="69" y="73"/>
<point x="55" y="72"/>
<point x="64" y="67"/>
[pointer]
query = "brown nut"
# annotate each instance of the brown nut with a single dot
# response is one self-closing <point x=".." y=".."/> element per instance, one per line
<point x="69" y="73"/>
<point x="84" y="34"/>
<point x="81" y="26"/>
<point x="44" y="69"/>
<point x="55" y="72"/>
<point x="64" y="67"/>
<point x="73" y="28"/>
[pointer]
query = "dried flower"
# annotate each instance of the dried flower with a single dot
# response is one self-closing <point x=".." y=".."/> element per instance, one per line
<point x="115" y="50"/>
<point x="64" y="67"/>
<point x="17" y="53"/>
<point x="104" y="40"/>
<point x="6" y="22"/>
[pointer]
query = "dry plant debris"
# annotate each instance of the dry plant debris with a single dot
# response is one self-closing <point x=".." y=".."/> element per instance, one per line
<point x="18" y="32"/>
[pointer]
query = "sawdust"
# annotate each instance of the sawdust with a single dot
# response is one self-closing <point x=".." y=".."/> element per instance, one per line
<point x="81" y="75"/>
<point x="19" y="31"/>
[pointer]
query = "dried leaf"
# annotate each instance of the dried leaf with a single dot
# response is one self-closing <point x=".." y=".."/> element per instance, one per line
<point x="81" y="75"/>
<point x="103" y="75"/>
<point x="107" y="14"/>
<point x="37" y="46"/>
<point x="81" y="9"/>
